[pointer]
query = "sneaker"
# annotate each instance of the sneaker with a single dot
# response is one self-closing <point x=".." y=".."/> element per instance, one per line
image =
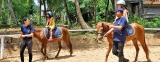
<point x="50" y="39"/>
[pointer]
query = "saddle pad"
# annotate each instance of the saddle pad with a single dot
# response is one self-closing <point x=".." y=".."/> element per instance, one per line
<point x="57" y="32"/>
<point x="130" y="30"/>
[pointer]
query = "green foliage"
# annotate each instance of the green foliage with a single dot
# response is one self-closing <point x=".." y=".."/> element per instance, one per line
<point x="21" y="8"/>
<point x="93" y="11"/>
<point x="154" y="23"/>
<point x="4" y="12"/>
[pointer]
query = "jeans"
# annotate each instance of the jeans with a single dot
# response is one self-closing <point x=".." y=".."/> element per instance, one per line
<point x="117" y="48"/>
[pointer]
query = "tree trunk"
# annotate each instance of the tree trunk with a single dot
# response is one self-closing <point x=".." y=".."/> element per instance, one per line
<point x="106" y="18"/>
<point x="44" y="3"/>
<point x="95" y="3"/>
<point x="0" y="5"/>
<point x="113" y="3"/>
<point x="79" y="14"/>
<point x="12" y="12"/>
<point x="40" y="3"/>
<point x="66" y="8"/>
<point x="141" y="9"/>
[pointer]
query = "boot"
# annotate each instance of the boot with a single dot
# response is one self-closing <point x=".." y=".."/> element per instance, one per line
<point x="22" y="58"/>
<point x="121" y="58"/>
<point x="125" y="60"/>
<point x="30" y="57"/>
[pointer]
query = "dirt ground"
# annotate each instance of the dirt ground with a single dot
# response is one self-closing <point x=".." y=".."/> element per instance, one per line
<point x="85" y="50"/>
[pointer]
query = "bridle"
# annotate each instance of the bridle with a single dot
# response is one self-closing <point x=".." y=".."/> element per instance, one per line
<point x="102" y="30"/>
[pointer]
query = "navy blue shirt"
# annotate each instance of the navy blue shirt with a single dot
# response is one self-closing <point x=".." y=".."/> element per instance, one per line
<point x="27" y="29"/>
<point x="120" y="35"/>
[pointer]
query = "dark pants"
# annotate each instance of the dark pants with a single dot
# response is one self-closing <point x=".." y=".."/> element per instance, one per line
<point x="28" y="43"/>
<point x="117" y="49"/>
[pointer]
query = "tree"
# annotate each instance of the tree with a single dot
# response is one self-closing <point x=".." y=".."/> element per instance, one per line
<point x="79" y="14"/>
<point x="1" y="4"/>
<point x="44" y="7"/>
<point x="40" y="3"/>
<point x="66" y="8"/>
<point x="95" y="3"/>
<point x="57" y="7"/>
<point x="106" y="18"/>
<point x="12" y="11"/>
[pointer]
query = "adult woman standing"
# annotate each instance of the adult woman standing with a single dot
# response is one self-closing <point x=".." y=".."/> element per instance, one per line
<point x="26" y="35"/>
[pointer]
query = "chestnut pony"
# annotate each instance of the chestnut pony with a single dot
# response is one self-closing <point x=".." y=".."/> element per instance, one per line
<point x="39" y="34"/>
<point x="139" y="35"/>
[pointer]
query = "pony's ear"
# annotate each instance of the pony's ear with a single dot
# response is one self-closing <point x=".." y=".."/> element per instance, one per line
<point x="102" y="24"/>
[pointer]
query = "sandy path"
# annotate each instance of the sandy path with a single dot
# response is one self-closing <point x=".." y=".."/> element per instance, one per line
<point x="86" y="50"/>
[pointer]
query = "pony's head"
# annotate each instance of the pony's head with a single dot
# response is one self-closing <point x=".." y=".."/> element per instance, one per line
<point x="102" y="28"/>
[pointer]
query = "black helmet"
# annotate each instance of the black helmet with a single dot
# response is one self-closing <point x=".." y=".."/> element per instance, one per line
<point x="50" y="13"/>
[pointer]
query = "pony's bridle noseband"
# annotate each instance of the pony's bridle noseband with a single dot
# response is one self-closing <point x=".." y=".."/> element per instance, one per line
<point x="102" y="30"/>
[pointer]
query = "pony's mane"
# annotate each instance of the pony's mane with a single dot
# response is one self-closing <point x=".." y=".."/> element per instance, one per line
<point x="109" y="23"/>
<point x="38" y="29"/>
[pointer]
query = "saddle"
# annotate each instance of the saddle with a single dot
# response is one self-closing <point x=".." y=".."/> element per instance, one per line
<point x="57" y="32"/>
<point x="130" y="30"/>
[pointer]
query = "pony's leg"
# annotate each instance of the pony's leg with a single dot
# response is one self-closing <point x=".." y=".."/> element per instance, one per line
<point x="144" y="46"/>
<point x="136" y="47"/>
<point x="69" y="45"/>
<point x="60" y="47"/>
<point x="43" y="51"/>
<point x="42" y="47"/>
<point x="110" y="41"/>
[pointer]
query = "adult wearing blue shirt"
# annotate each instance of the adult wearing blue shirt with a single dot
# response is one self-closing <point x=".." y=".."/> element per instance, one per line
<point x="26" y="35"/>
<point x="119" y="36"/>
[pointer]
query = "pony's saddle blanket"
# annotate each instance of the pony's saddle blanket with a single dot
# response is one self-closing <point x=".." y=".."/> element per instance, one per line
<point x="57" y="32"/>
<point x="130" y="30"/>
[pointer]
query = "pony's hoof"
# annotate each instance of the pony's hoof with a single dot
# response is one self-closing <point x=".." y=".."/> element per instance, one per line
<point x="70" y="54"/>
<point x="149" y="60"/>
<point x="56" y="56"/>
<point x="134" y="61"/>
<point x="105" y="61"/>
<point x="46" y="57"/>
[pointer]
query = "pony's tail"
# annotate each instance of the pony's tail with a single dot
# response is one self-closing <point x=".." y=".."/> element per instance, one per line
<point x="70" y="44"/>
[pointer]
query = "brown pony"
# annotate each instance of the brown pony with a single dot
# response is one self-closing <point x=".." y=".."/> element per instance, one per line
<point x="139" y="35"/>
<point x="39" y="34"/>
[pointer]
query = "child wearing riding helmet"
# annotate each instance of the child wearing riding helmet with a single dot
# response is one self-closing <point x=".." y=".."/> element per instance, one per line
<point x="121" y="4"/>
<point x="50" y="24"/>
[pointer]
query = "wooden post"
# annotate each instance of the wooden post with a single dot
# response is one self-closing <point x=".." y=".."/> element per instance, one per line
<point x="141" y="10"/>
<point x="2" y="47"/>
